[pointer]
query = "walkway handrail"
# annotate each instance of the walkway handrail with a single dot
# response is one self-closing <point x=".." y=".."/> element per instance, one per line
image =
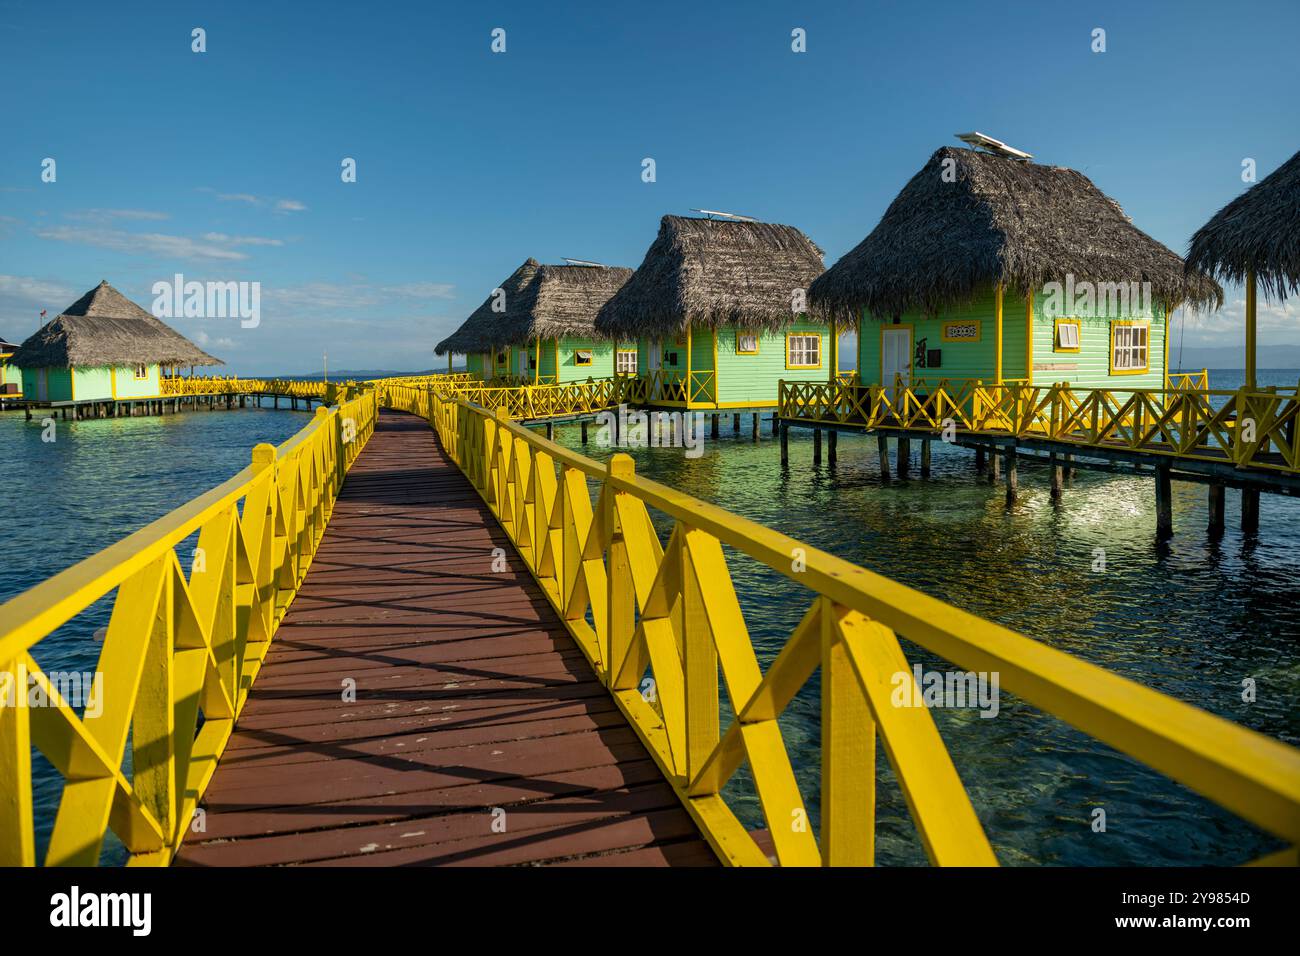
<point x="178" y="650"/>
<point x="1248" y="429"/>
<point x="670" y="613"/>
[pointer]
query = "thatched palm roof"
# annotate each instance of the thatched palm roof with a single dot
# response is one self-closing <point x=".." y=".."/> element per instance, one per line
<point x="479" y="333"/>
<point x="104" y="327"/>
<point x="560" y="301"/>
<point x="943" y="241"/>
<point x="1259" y="231"/>
<point x="711" y="273"/>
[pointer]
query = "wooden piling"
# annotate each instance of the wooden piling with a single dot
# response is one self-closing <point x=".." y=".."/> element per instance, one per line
<point x="817" y="446"/>
<point x="882" y="447"/>
<point x="584" y="433"/>
<point x="1216" y="507"/>
<point x="785" y="442"/>
<point x="1164" y="504"/>
<point x="832" y="441"/>
<point x="1249" y="510"/>
<point x="1013" y="487"/>
<point x="776" y="422"/>
<point x="735" y="423"/>
<point x="754" y="427"/>
<point x="994" y="470"/>
<point x="904" y="456"/>
<point x="979" y="461"/>
<point x="550" y="431"/>
<point x="925" y="458"/>
<point x="1057" y="476"/>
<point x="713" y="427"/>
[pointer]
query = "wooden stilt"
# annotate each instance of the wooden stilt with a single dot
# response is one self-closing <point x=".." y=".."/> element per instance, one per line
<point x="994" y="466"/>
<point x="550" y="430"/>
<point x="904" y="456"/>
<point x="713" y="426"/>
<point x="735" y="423"/>
<point x="754" y="426"/>
<point x="1164" y="504"/>
<point x="1013" y="488"/>
<point x="882" y="447"/>
<point x="1216" y="507"/>
<point x="832" y="441"/>
<point x="1056" y="476"/>
<point x="584" y="433"/>
<point x="785" y="441"/>
<point x="1249" y="510"/>
<point x="979" y="461"/>
<point x="817" y="446"/>
<point x="776" y="422"/>
<point x="925" y="458"/>
<point x="1070" y="470"/>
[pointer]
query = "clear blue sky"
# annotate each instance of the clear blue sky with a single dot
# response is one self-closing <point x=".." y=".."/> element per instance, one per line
<point x="225" y="165"/>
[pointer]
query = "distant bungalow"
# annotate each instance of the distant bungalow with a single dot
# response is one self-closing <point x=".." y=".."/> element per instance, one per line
<point x="538" y="329"/>
<point x="102" y="347"/>
<point x="993" y="268"/>
<point x="11" y="377"/>
<point x="717" y="303"/>
<point x="1255" y="240"/>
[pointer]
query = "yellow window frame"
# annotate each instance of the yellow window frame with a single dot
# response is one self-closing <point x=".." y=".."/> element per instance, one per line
<point x="1117" y="323"/>
<point x="138" y="376"/>
<point x="943" y="330"/>
<point x="634" y="353"/>
<point x="821" y="348"/>
<point x="739" y="336"/>
<point x="1078" y="324"/>
<point x="577" y="360"/>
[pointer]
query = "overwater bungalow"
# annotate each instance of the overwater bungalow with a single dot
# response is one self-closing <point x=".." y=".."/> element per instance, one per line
<point x="11" y="377"/>
<point x="990" y="267"/>
<point x="1255" y="240"/>
<point x="103" y="347"/>
<point x="716" y="310"/>
<point x="538" y="330"/>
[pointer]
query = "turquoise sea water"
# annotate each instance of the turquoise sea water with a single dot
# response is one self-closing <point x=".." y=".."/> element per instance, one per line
<point x="1192" y="618"/>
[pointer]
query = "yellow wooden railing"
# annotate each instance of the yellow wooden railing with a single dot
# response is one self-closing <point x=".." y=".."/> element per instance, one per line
<point x="1247" y="429"/>
<point x="1194" y="381"/>
<point x="534" y="401"/>
<point x="179" y="654"/>
<point x="657" y="623"/>
<point x="231" y="385"/>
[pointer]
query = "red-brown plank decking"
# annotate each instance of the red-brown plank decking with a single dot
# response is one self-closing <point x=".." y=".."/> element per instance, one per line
<point x="470" y="697"/>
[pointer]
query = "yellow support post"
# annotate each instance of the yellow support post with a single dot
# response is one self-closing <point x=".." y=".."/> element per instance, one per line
<point x="997" y="335"/>
<point x="1029" y="338"/>
<point x="1250" y="330"/>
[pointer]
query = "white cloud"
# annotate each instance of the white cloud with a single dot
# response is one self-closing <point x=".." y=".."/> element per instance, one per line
<point x="141" y="243"/>
<point x="106" y="215"/>
<point x="290" y="205"/>
<point x="221" y="237"/>
<point x="239" y="197"/>
<point x="37" y="291"/>
<point x="1276" y="323"/>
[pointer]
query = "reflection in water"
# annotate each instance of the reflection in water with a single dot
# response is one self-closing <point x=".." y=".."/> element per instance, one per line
<point x="1192" y="619"/>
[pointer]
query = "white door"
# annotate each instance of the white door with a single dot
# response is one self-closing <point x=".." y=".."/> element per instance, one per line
<point x="523" y="364"/>
<point x="42" y="386"/>
<point x="895" y="358"/>
<point x="653" y="357"/>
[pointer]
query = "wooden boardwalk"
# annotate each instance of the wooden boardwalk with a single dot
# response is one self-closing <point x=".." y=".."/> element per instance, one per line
<point x="478" y="736"/>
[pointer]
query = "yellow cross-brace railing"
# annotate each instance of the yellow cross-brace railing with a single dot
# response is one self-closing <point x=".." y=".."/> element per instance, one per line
<point x="179" y="654"/>
<point x="669" y="612"/>
<point x="1247" y="429"/>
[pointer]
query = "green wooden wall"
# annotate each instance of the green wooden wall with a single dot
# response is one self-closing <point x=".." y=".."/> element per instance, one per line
<point x="1087" y="368"/>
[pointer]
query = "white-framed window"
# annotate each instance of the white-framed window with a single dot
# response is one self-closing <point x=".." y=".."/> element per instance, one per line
<point x="1129" y="347"/>
<point x="1067" y="335"/>
<point x="746" y="343"/>
<point x="803" y="351"/>
<point x="625" y="362"/>
<point x="141" y="372"/>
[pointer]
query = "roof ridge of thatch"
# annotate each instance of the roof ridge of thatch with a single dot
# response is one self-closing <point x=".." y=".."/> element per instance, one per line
<point x="102" y="328"/>
<point x="956" y="229"/>
<point x="713" y="273"/>
<point x="1258" y="232"/>
<point x="480" y="331"/>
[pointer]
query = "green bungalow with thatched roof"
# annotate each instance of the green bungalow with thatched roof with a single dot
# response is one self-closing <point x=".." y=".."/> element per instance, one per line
<point x="989" y="267"/>
<point x="537" y="327"/>
<point x="717" y="312"/>
<point x="103" y="347"/>
<point x="1255" y="240"/>
<point x="11" y="377"/>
